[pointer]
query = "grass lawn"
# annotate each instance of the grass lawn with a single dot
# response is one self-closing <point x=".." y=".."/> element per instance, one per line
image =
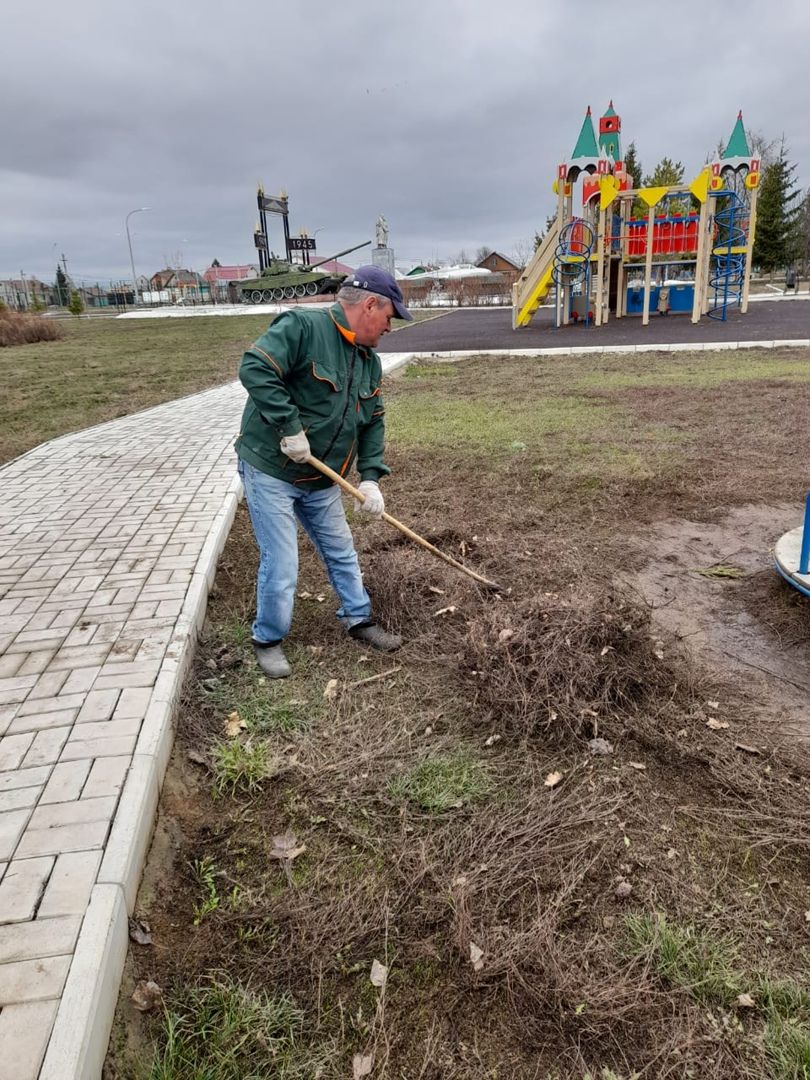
<point x="105" y="368"/>
<point x="547" y="840"/>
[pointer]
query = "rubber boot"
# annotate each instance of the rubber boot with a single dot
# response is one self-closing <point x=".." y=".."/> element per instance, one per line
<point x="272" y="661"/>
<point x="374" y="635"/>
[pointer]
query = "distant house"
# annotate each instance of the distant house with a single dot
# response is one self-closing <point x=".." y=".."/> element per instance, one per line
<point x="21" y="294"/>
<point x="499" y="264"/>
<point x="229" y="273"/>
<point x="94" y="296"/>
<point x="335" y="266"/>
<point x="11" y="293"/>
<point x="216" y="278"/>
<point x="182" y="285"/>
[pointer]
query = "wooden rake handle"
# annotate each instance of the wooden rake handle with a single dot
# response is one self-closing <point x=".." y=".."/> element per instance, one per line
<point x="417" y="539"/>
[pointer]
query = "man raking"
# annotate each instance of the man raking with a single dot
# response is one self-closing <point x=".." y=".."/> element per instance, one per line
<point x="313" y="382"/>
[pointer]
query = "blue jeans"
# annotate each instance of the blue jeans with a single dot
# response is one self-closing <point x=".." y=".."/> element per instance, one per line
<point x="274" y="506"/>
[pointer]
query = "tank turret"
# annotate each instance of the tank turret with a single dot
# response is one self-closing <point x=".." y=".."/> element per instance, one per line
<point x="283" y="280"/>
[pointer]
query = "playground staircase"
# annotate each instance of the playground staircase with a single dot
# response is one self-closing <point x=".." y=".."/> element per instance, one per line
<point x="727" y="275"/>
<point x="532" y="287"/>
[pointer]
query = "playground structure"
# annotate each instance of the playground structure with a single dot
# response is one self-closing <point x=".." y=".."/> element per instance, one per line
<point x="688" y="252"/>
<point x="792" y="555"/>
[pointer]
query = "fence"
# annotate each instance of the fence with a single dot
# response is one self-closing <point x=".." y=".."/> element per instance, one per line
<point x="495" y="289"/>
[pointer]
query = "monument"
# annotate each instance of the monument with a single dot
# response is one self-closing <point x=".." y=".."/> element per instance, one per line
<point x="382" y="255"/>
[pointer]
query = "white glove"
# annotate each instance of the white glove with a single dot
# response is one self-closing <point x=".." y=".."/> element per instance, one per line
<point x="374" y="504"/>
<point x="296" y="447"/>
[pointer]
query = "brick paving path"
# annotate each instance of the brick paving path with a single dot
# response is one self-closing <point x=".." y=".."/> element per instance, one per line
<point x="108" y="540"/>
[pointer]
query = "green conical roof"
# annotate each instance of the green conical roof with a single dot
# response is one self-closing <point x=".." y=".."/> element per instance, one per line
<point x="738" y="143"/>
<point x="586" y="143"/>
<point x="610" y="111"/>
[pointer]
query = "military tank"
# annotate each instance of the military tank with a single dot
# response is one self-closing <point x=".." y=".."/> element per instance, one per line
<point x="283" y="280"/>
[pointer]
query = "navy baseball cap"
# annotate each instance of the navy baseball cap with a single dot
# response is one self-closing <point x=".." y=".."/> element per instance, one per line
<point x="379" y="281"/>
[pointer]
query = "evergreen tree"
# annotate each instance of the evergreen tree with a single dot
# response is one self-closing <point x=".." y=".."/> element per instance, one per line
<point x="777" y="241"/>
<point x="216" y="262"/>
<point x="803" y="235"/>
<point x="62" y="291"/>
<point x="540" y="237"/>
<point x="666" y="173"/>
<point x="76" y="305"/>
<point x="632" y="166"/>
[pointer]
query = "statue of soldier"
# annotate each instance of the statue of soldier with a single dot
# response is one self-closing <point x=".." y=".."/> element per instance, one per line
<point x="382" y="232"/>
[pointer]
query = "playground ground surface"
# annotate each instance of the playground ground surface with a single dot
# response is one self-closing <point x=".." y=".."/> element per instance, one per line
<point x="491" y="328"/>
<point x="569" y="820"/>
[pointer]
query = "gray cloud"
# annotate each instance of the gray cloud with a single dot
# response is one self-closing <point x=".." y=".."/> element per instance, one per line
<point x="448" y="117"/>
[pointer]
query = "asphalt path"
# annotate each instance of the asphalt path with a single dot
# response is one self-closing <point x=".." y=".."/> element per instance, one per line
<point x="491" y="328"/>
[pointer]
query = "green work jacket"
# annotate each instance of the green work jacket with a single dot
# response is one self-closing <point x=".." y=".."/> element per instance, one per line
<point x="307" y="373"/>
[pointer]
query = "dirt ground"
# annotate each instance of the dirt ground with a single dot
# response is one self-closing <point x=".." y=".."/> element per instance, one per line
<point x="748" y="625"/>
<point x="569" y="819"/>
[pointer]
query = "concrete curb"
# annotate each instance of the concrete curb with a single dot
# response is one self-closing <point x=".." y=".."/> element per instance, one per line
<point x="699" y="346"/>
<point x="81" y="1031"/>
<point x="393" y="361"/>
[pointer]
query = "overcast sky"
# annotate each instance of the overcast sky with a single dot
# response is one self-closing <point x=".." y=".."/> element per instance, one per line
<point x="448" y="116"/>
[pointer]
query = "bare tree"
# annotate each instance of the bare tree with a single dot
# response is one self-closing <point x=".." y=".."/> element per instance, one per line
<point x="522" y="251"/>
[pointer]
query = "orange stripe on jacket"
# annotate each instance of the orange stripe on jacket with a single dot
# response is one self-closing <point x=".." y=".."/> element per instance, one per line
<point x="345" y="464"/>
<point x="270" y="358"/>
<point x="322" y="378"/>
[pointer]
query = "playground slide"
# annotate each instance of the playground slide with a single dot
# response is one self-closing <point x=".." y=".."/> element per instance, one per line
<point x="532" y="287"/>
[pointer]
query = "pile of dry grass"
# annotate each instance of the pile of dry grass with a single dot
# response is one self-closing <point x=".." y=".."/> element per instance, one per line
<point x="556" y="664"/>
<point x="19" y="329"/>
<point x="535" y="663"/>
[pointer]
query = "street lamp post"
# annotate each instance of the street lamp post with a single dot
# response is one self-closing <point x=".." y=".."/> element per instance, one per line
<point x="139" y="210"/>
<point x="315" y="233"/>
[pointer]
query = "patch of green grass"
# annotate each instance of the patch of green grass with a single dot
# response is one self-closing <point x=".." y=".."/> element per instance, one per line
<point x="599" y="461"/>
<point x="574" y="435"/>
<point x="107" y="367"/>
<point x="263" y="715"/>
<point x="223" y="1031"/>
<point x="783" y="997"/>
<point x="429" y="371"/>
<point x="241" y="766"/>
<point x="444" y="782"/>
<point x="787" y="1049"/>
<point x="234" y="632"/>
<point x="688" y="958"/>
<point x="206" y="874"/>
<point x="264" y="706"/>
<point x="491" y="427"/>
<point x="701" y="370"/>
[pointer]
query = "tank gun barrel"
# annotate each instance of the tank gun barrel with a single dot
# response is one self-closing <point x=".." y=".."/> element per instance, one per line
<point x="348" y="251"/>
